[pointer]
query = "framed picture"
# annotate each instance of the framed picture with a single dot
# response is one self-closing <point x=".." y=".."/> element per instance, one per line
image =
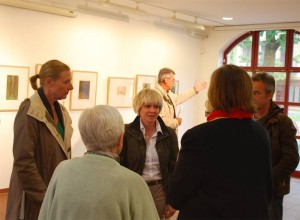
<point x="84" y="92"/>
<point x="38" y="68"/>
<point x="144" y="81"/>
<point x="120" y="92"/>
<point x="13" y="86"/>
<point x="175" y="88"/>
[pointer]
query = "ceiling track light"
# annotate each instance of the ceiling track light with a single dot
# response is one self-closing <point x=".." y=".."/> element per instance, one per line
<point x="188" y="23"/>
<point x="105" y="13"/>
<point x="137" y="10"/>
<point x="35" y="6"/>
<point x="123" y="8"/>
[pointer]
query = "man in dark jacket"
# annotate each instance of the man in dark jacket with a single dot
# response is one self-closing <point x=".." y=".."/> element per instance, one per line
<point x="285" y="156"/>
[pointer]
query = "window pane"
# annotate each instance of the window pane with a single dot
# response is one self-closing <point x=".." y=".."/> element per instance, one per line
<point x="294" y="114"/>
<point x="279" y="86"/>
<point x="296" y="51"/>
<point x="272" y="46"/>
<point x="240" y="55"/>
<point x="294" y="90"/>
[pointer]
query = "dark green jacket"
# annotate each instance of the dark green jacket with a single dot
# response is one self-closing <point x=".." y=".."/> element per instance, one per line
<point x="285" y="156"/>
<point x="133" y="154"/>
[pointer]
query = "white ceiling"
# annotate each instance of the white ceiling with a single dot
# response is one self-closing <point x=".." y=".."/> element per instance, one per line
<point x="244" y="12"/>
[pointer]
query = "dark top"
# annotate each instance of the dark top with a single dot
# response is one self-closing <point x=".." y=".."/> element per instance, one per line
<point x="223" y="171"/>
<point x="133" y="154"/>
<point x="285" y="156"/>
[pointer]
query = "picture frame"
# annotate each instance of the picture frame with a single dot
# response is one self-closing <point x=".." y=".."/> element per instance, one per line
<point x="144" y="81"/>
<point x="13" y="86"/>
<point x="38" y="67"/>
<point x="175" y="88"/>
<point x="84" y="90"/>
<point x="120" y="92"/>
<point x="36" y="71"/>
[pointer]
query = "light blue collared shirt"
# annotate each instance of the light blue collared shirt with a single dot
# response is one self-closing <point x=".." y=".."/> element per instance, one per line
<point x="152" y="167"/>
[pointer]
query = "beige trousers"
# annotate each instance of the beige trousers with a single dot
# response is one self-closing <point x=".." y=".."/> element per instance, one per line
<point x="159" y="198"/>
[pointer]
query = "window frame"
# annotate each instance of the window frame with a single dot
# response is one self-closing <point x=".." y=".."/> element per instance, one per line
<point x="287" y="68"/>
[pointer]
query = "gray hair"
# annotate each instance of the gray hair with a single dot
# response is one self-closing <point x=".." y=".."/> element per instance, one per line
<point x="164" y="73"/>
<point x="100" y="128"/>
<point x="267" y="79"/>
<point x="147" y="97"/>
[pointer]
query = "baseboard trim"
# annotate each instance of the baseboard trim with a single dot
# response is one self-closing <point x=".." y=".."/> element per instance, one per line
<point x="5" y="190"/>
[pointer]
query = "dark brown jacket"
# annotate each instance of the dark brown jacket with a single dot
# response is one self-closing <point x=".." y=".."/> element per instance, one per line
<point x="38" y="148"/>
<point x="133" y="154"/>
<point x="285" y="156"/>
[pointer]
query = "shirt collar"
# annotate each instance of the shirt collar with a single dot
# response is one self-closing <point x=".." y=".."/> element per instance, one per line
<point x="158" y="128"/>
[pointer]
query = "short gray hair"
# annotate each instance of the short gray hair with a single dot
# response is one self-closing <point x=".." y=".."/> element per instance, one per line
<point x="164" y="73"/>
<point x="147" y="97"/>
<point x="267" y="79"/>
<point x="100" y="127"/>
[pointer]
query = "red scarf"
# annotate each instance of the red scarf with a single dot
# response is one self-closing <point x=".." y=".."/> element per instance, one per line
<point x="234" y="113"/>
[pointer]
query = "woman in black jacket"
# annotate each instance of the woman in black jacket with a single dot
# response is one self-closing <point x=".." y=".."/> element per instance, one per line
<point x="150" y="148"/>
<point x="224" y="165"/>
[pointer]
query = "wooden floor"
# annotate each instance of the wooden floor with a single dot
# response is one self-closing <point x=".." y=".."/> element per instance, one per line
<point x="291" y="204"/>
<point x="3" y="199"/>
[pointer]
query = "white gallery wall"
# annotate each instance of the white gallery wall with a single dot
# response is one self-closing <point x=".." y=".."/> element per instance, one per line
<point x="111" y="48"/>
<point x="93" y="43"/>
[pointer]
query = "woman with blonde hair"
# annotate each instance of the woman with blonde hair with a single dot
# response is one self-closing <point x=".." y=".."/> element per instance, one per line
<point x="150" y="148"/>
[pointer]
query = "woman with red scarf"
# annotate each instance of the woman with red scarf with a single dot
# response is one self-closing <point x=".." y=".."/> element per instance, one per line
<point x="224" y="165"/>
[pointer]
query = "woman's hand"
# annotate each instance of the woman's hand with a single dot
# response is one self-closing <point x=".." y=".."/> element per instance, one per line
<point x="169" y="211"/>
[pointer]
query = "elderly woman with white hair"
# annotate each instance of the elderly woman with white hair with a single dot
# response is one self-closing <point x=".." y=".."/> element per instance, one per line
<point x="96" y="186"/>
<point x="150" y="148"/>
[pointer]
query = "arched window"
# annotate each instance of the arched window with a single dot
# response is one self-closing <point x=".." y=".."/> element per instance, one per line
<point x="278" y="53"/>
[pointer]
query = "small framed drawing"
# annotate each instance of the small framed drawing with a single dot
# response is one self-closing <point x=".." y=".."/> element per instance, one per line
<point x="84" y="90"/>
<point x="13" y="86"/>
<point x="144" y="81"/>
<point x="175" y="88"/>
<point x="38" y="68"/>
<point x="120" y="92"/>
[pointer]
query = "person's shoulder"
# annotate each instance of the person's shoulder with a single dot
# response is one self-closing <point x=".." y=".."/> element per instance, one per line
<point x="201" y="127"/>
<point x="258" y="127"/>
<point x="199" y="130"/>
<point x="130" y="177"/>
<point x="170" y="130"/>
<point x="25" y="104"/>
<point x="281" y="118"/>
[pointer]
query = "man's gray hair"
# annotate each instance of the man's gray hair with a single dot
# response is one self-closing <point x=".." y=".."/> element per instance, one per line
<point x="267" y="79"/>
<point x="100" y="127"/>
<point x="164" y="73"/>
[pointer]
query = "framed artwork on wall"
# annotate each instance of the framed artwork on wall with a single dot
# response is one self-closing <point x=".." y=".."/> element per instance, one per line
<point x="120" y="92"/>
<point x="84" y="92"/>
<point x="175" y="88"/>
<point x="144" y="81"/>
<point x="38" y="68"/>
<point x="13" y="86"/>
